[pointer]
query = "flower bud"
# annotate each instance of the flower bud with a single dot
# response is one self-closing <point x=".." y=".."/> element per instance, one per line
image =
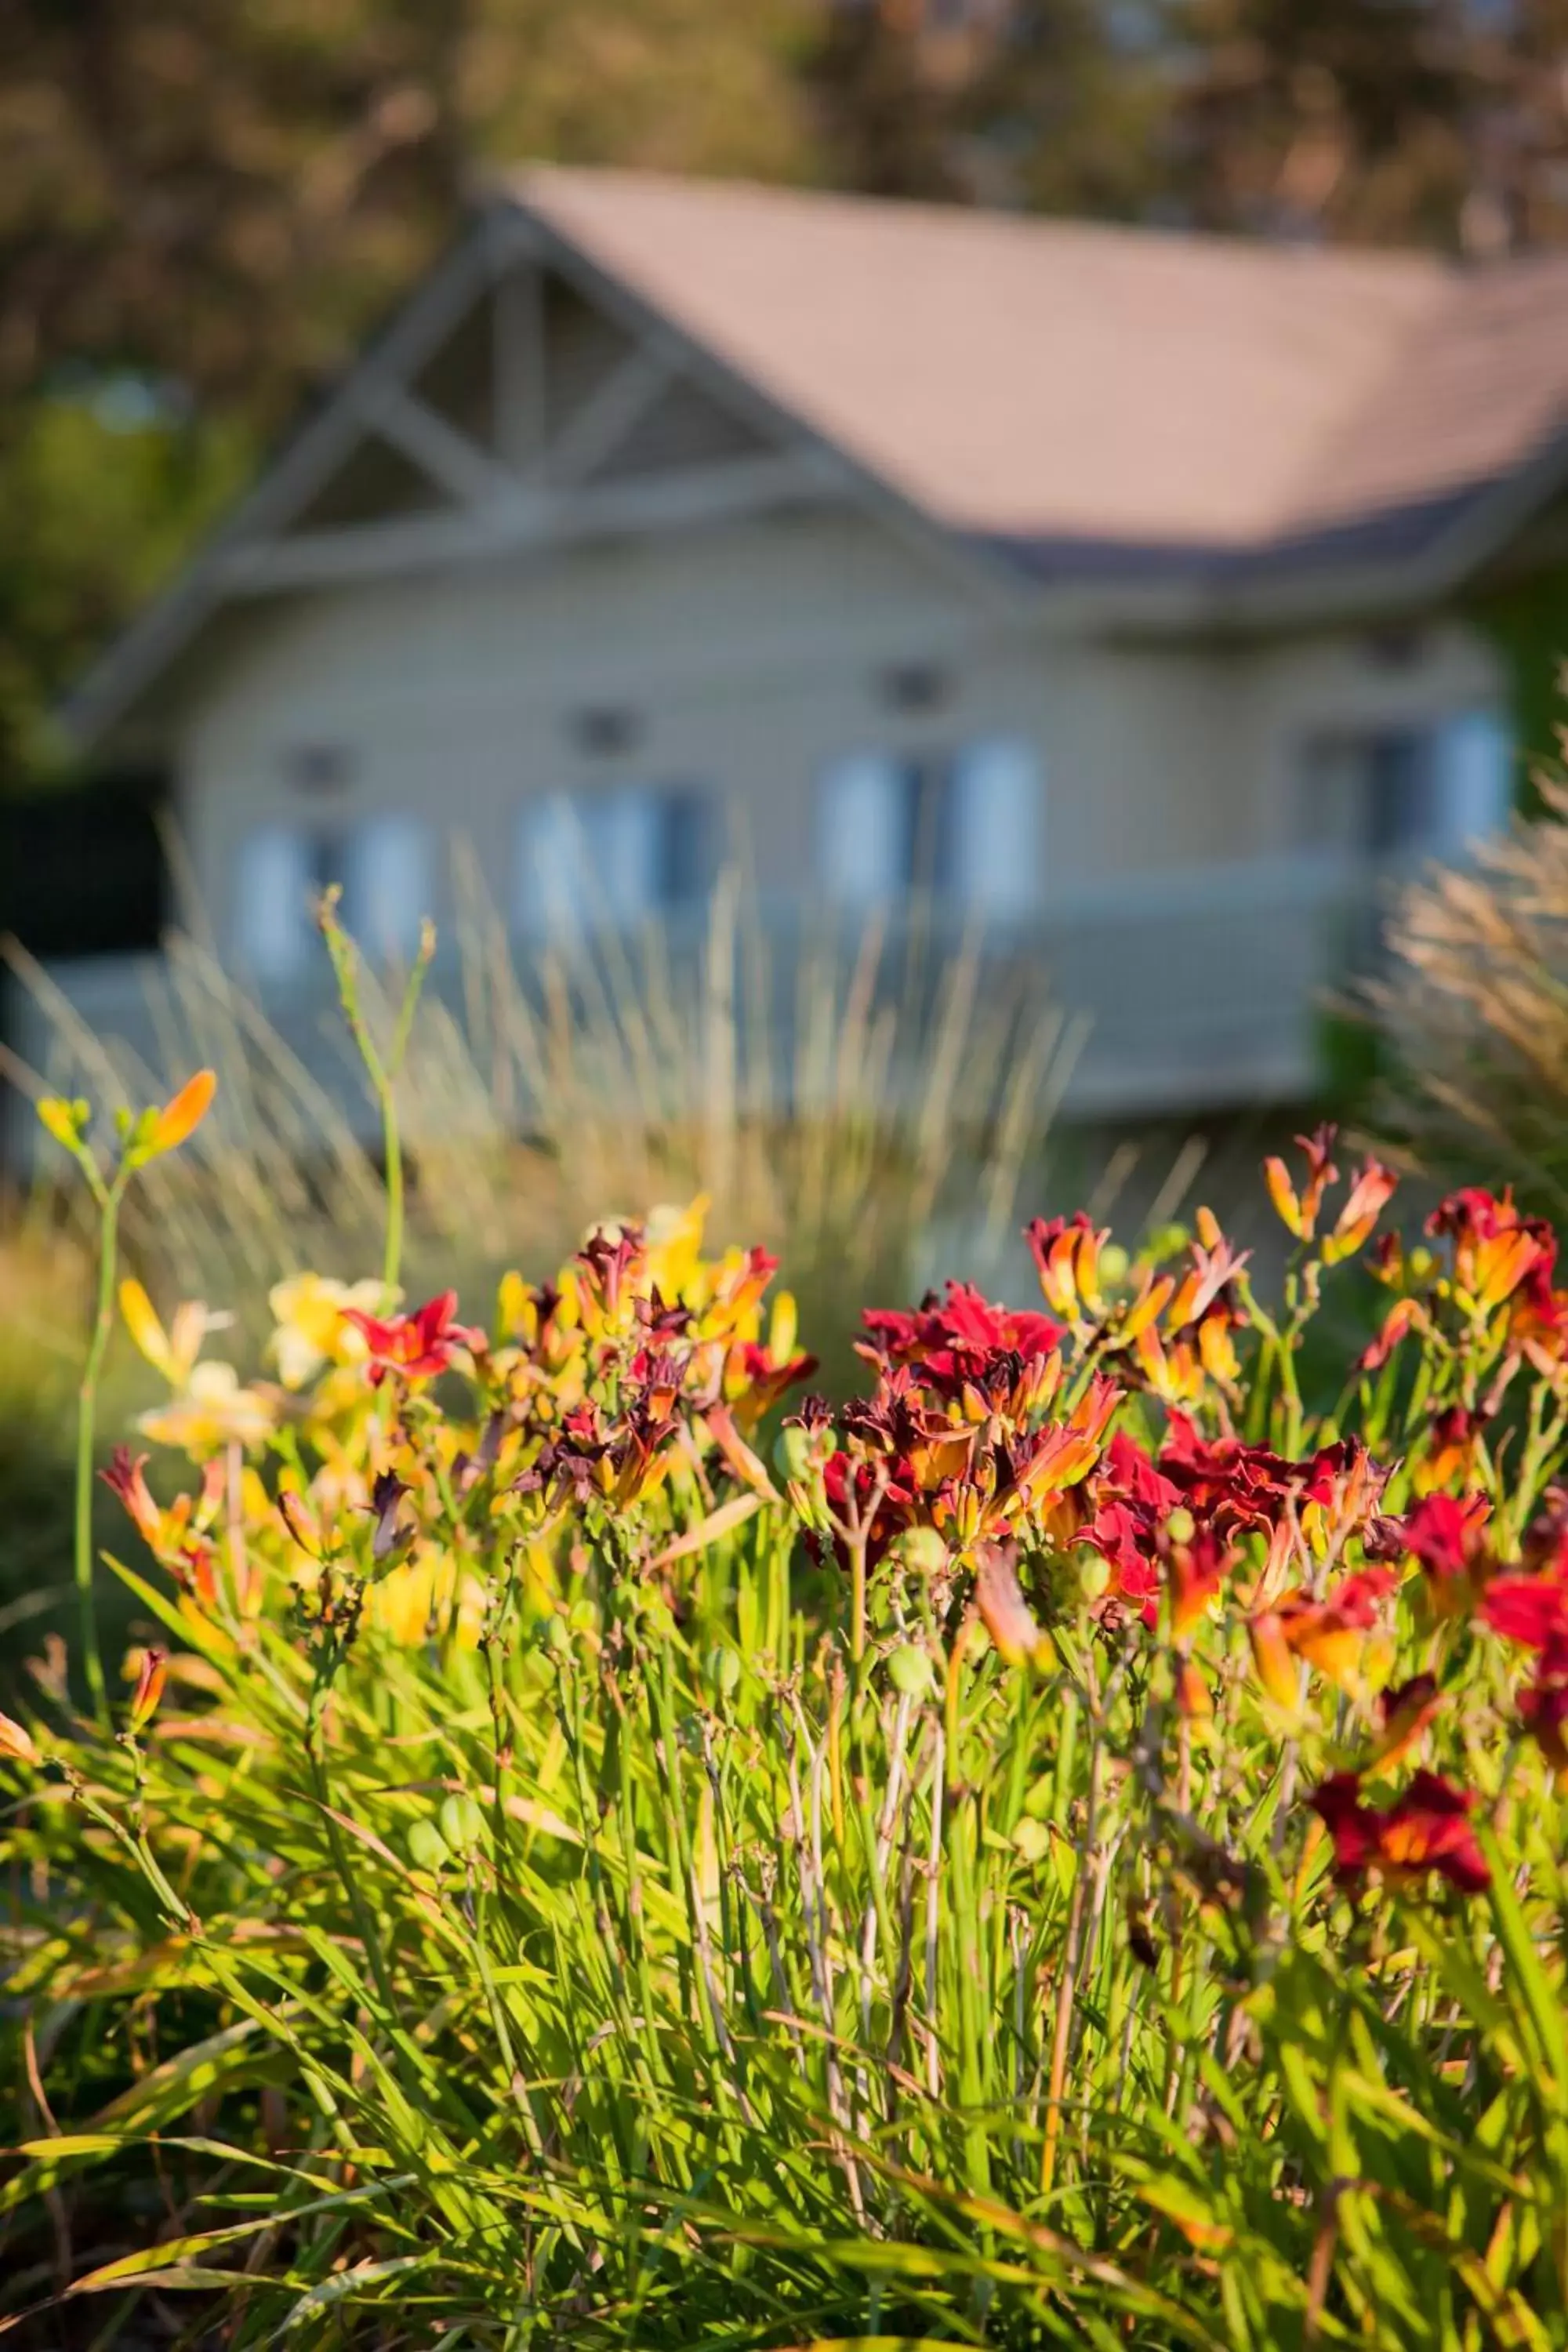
<point x="909" y="1671"/>
<point x="427" y="1849"/>
<point x="462" y="1825"/>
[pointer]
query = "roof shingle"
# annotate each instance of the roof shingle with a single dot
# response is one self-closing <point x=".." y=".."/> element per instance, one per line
<point x="1047" y="381"/>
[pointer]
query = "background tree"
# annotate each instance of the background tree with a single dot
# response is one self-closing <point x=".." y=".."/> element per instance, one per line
<point x="203" y="205"/>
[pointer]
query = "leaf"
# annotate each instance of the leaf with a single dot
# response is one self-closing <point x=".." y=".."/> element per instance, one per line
<point x="722" y="1522"/>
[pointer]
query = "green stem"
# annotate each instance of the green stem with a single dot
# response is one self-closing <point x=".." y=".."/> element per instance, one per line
<point x="86" y="1432"/>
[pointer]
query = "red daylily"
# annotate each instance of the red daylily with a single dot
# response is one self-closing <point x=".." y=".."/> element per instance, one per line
<point x="1530" y="1609"/>
<point x="417" y="1346"/>
<point x="1330" y="1634"/>
<point x="1448" y="1538"/>
<point x="950" y="1335"/>
<point x="1194" y="1573"/>
<point x="1543" y="1704"/>
<point x="1403" y="1712"/>
<point x="1428" y="1828"/>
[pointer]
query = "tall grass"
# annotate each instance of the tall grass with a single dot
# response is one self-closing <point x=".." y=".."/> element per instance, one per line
<point x="831" y="1105"/>
<point x="1474" y="1009"/>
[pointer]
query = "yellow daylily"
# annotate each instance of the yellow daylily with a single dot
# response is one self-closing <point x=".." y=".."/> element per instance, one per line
<point x="213" y="1410"/>
<point x="311" y="1330"/>
<point x="415" y="1599"/>
<point x="173" y="1352"/>
<point x="673" y="1239"/>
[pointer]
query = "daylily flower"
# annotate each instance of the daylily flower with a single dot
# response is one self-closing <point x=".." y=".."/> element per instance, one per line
<point x="1005" y="1613"/>
<point x="312" y="1329"/>
<point x="415" y="1346"/>
<point x="1330" y="1634"/>
<point x="1403" y="1712"/>
<point x="1428" y="1828"/>
<point x="1066" y="1251"/>
<point x="1496" y="1247"/>
<point x="952" y="1335"/>
<point x="213" y="1412"/>
<point x="1298" y="1212"/>
<point x="1530" y="1609"/>
<point x="124" y="1478"/>
<point x="1543" y="1703"/>
<point x="1194" y="1573"/>
<point x="151" y="1678"/>
<point x="17" y="1743"/>
<point x="173" y="1352"/>
<point x="181" y="1116"/>
<point x="1406" y="1314"/>
<point x="1448" y="1538"/>
<point x="1369" y="1196"/>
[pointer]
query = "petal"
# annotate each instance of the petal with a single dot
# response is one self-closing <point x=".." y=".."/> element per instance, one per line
<point x="181" y="1117"/>
<point x="141" y="1321"/>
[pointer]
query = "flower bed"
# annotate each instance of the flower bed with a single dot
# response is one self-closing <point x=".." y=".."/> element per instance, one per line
<point x="1065" y="1847"/>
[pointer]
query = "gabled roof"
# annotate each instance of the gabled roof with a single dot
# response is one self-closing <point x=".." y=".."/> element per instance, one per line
<point x="1170" y="429"/>
<point x="1072" y="385"/>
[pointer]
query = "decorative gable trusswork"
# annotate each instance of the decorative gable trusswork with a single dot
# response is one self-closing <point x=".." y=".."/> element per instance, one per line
<point x="505" y="408"/>
<point x="535" y="417"/>
<point x="1131" y="428"/>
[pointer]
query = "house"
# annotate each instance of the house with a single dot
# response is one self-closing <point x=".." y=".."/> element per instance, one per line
<point x="1133" y="595"/>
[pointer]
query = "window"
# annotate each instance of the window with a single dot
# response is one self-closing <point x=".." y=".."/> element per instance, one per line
<point x="965" y="825"/>
<point x="1398" y="794"/>
<point x="616" y="856"/>
<point x="383" y="865"/>
<point x="385" y="869"/>
<point x="282" y="870"/>
<point x="868" y="825"/>
<point x="993" y="827"/>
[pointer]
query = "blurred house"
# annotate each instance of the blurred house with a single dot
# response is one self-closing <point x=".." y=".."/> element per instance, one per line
<point x="1117" y="591"/>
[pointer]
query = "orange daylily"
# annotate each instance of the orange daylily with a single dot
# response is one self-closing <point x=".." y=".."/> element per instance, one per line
<point x="182" y="1114"/>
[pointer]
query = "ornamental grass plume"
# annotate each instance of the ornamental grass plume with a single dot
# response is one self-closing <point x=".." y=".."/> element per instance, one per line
<point x="1473" y="1012"/>
<point x="1062" y="1847"/>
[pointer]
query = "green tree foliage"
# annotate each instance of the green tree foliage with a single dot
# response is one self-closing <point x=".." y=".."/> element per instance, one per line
<point x="213" y="201"/>
<point x="201" y="205"/>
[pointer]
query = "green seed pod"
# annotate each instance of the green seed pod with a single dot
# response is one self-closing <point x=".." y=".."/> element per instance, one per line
<point x="1093" y="1575"/>
<point x="1114" y="1264"/>
<point x="1032" y="1839"/>
<point x="427" y="1849"/>
<point x="909" y="1672"/>
<point x="922" y="1551"/>
<point x="723" y="1668"/>
<point x="798" y="1452"/>
<point x="1181" y="1526"/>
<point x="462" y="1823"/>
